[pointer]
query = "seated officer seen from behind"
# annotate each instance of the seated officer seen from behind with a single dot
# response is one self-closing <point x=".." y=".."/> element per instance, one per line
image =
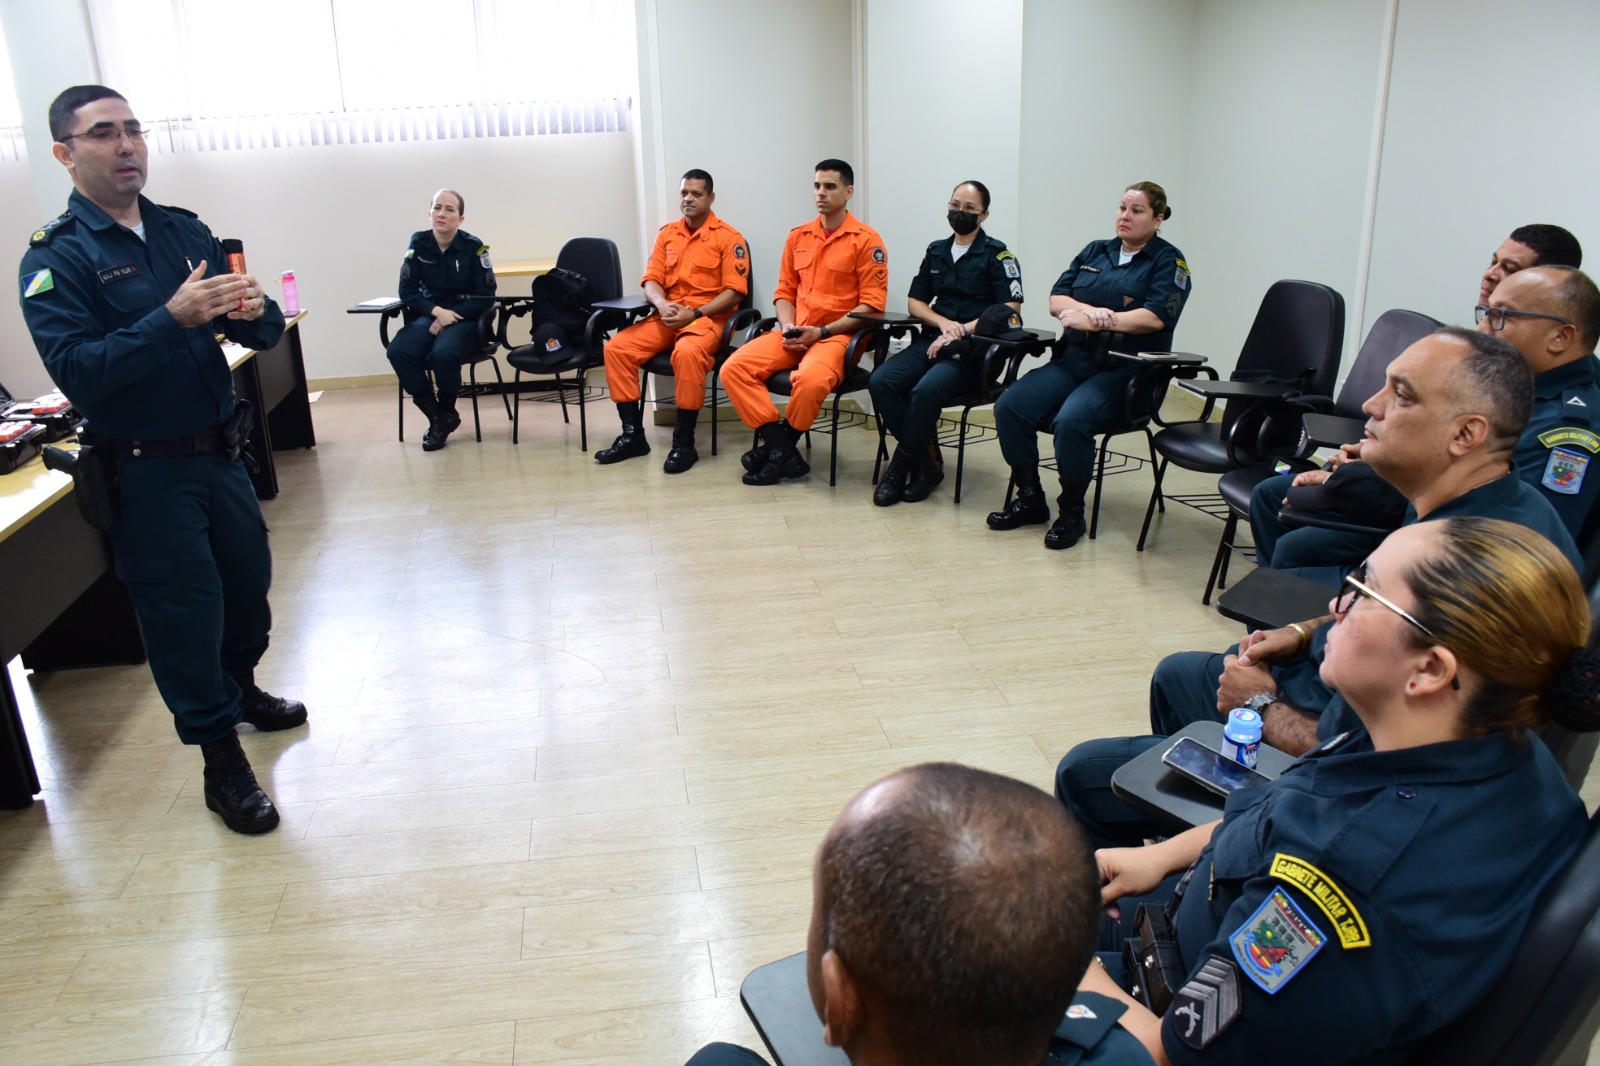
<point x="953" y="913"/>
<point x="1134" y="284"/>
<point x="960" y="276"/>
<point x="446" y="282"/>
<point x="697" y="274"/>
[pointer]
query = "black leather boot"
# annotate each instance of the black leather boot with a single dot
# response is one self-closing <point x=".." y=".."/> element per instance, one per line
<point x="925" y="477"/>
<point x="447" y="412"/>
<point x="631" y="443"/>
<point x="1028" y="508"/>
<point x="433" y="437"/>
<point x="231" y="789"/>
<point x="782" y="462"/>
<point x="893" y="481"/>
<point x="1069" y="526"/>
<point x="265" y="711"/>
<point x="682" y="456"/>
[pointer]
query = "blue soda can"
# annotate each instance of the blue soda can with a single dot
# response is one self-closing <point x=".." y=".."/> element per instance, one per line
<point x="1241" y="737"/>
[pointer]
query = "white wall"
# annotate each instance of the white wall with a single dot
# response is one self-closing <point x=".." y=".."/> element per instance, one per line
<point x="1491" y="125"/>
<point x="1280" y="118"/>
<point x="756" y="94"/>
<point x="938" y="111"/>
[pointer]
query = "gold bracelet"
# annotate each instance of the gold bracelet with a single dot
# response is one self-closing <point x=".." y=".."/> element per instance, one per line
<point x="1305" y="637"/>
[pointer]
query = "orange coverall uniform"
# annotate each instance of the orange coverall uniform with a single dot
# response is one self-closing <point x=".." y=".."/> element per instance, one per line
<point x="824" y="276"/>
<point x="692" y="267"/>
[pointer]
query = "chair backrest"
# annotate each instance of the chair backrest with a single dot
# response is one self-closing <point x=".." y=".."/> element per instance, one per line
<point x="1297" y="335"/>
<point x="1391" y="334"/>
<point x="1545" y="1008"/>
<point x="596" y="259"/>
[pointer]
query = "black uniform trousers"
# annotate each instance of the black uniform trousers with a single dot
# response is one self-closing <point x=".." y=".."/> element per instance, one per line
<point x="909" y="391"/>
<point x="414" y="351"/>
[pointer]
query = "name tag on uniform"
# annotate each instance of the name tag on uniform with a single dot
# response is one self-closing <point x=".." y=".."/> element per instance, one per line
<point x="120" y="273"/>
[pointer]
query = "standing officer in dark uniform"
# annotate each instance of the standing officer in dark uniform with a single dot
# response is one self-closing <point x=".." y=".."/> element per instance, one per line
<point x="959" y="277"/>
<point x="124" y="299"/>
<point x="446" y="281"/>
<point x="1134" y="284"/>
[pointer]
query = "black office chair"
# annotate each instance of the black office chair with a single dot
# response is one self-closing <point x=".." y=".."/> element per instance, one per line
<point x="733" y="330"/>
<point x="487" y="343"/>
<point x="1293" y="348"/>
<point x="596" y="259"/>
<point x="1391" y="334"/>
<point x="872" y="338"/>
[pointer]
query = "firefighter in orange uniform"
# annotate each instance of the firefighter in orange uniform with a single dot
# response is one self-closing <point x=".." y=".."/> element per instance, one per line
<point x="697" y="274"/>
<point x="831" y="266"/>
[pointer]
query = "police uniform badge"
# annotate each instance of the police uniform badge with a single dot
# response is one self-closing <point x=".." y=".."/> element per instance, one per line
<point x="1009" y="264"/>
<point x="411" y="253"/>
<point x="37" y="282"/>
<point x="878" y="256"/>
<point x="1276" y="942"/>
<point x="1564" y="472"/>
<point x="739" y="252"/>
<point x="1180" y="277"/>
<point x="483" y="258"/>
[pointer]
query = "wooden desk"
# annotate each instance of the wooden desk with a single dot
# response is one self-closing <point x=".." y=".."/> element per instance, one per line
<point x="64" y="606"/>
<point x="274" y="381"/>
<point x="523" y="268"/>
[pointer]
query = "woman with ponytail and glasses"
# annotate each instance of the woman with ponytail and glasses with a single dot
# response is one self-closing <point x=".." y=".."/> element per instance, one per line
<point x="1377" y="890"/>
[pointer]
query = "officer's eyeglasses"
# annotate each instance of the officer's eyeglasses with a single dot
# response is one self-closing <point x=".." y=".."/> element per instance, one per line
<point x="1355" y="587"/>
<point x="107" y="133"/>
<point x="974" y="208"/>
<point x="1497" y="316"/>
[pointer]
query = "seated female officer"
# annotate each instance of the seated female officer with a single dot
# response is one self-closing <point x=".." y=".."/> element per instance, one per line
<point x="1377" y="889"/>
<point x="959" y="277"/>
<point x="1134" y="284"/>
<point x="446" y="282"/>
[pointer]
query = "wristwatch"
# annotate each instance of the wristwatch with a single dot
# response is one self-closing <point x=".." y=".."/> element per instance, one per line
<point x="1261" y="701"/>
<point x="823" y="332"/>
<point x="697" y="312"/>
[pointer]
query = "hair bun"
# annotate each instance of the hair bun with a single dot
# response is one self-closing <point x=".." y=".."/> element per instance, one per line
<point x="1166" y="214"/>
<point x="1573" y="700"/>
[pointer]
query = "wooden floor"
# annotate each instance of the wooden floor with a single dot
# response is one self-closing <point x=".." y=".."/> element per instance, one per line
<point x="575" y="733"/>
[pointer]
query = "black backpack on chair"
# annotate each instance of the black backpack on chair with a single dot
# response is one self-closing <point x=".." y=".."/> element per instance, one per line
<point x="560" y="301"/>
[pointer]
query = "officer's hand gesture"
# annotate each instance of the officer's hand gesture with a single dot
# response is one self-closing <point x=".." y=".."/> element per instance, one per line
<point x="1128" y="872"/>
<point x="200" y="299"/>
<point x="676" y="316"/>
<point x="1240" y="681"/>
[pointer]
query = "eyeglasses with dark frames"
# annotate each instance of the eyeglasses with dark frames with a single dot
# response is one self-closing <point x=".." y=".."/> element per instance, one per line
<point x="108" y="133"/>
<point x="1497" y="316"/>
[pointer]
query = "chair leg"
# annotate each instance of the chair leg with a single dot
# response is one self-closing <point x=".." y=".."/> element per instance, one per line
<point x="715" y="393"/>
<point x="1224" y="546"/>
<point x="833" y="446"/>
<point x="400" y="417"/>
<point x="1155" y="497"/>
<point x="1099" y="480"/>
<point x="516" y="412"/>
<point x="1150" y="442"/>
<point x="961" y="451"/>
<point x="472" y="391"/>
<point x="500" y="380"/>
<point x="877" y="460"/>
<point x="583" y="413"/>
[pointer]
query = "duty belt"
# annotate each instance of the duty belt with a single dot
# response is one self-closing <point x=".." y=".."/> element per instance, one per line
<point x="205" y="442"/>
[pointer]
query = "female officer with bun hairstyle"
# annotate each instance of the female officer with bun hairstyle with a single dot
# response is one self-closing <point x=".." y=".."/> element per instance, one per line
<point x="1134" y="284"/>
<point x="960" y="276"/>
<point x="1377" y="890"/>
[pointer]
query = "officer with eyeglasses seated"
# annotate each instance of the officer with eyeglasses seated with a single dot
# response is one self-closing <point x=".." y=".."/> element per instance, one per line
<point x="125" y="299"/>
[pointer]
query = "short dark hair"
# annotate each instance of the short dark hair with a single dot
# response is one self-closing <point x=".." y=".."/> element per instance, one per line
<point x="970" y="905"/>
<point x="1495" y="381"/>
<point x="1580" y="302"/>
<point x="846" y="174"/>
<point x="983" y="191"/>
<point x="699" y="175"/>
<point x="64" y="108"/>
<point x="1552" y="245"/>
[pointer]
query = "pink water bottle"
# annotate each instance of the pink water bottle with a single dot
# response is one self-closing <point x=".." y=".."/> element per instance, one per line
<point x="291" y="293"/>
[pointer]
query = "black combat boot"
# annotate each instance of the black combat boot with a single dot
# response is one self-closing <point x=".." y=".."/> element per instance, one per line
<point x="433" y="438"/>
<point x="893" y="481"/>
<point x="682" y="456"/>
<point x="1028" y="508"/>
<point x="1069" y="526"/>
<point x="231" y="788"/>
<point x="265" y="711"/>
<point x="447" y="412"/>
<point x="925" y="477"/>
<point x="631" y="442"/>
<point x="782" y="462"/>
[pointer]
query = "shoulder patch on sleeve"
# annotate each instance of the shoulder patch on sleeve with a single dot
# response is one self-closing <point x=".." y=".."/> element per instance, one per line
<point x="1009" y="264"/>
<point x="1571" y="436"/>
<point x="1276" y="942"/>
<point x="1564" y="472"/>
<point x="739" y="252"/>
<point x="879" y="255"/>
<point x="483" y="257"/>
<point x="1180" y="276"/>
<point x="1329" y="898"/>
<point x="37" y="282"/>
<point x="1207" y="1004"/>
<point x="43" y="234"/>
<point x="410" y="252"/>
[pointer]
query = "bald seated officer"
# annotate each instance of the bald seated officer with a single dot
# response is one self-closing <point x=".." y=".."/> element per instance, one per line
<point x="954" y="913"/>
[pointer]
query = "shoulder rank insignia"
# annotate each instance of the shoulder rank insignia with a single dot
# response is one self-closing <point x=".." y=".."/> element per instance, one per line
<point x="1571" y="436"/>
<point x="43" y="234"/>
<point x="1564" y="471"/>
<point x="1180" y="277"/>
<point x="37" y="282"/>
<point x="1016" y="290"/>
<point x="1207" y="1005"/>
<point x="1275" y="942"/>
<point x="1329" y="898"/>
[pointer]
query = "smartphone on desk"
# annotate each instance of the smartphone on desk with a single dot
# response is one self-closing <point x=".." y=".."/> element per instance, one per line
<point x="1210" y="769"/>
